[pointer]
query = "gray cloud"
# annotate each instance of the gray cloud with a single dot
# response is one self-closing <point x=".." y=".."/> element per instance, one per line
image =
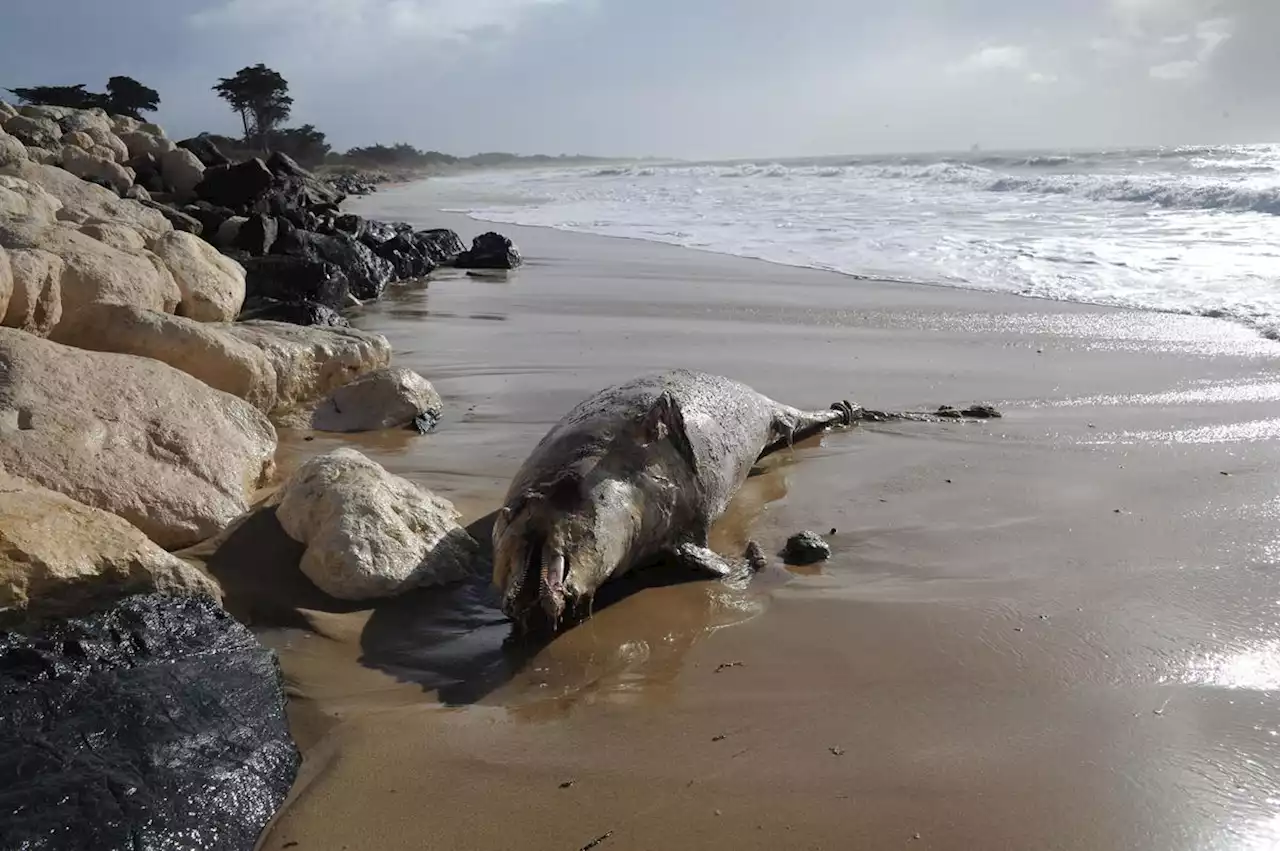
<point x="692" y="77"/>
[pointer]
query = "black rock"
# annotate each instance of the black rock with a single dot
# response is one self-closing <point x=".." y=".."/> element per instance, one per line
<point x="145" y="168"/>
<point x="285" y="165"/>
<point x="157" y="724"/>
<point x="440" y="244"/>
<point x="206" y="151"/>
<point x="294" y="279"/>
<point x="352" y="225"/>
<point x="236" y="186"/>
<point x="367" y="274"/>
<point x="258" y="235"/>
<point x="406" y="255"/>
<point x="489" y="251"/>
<point x="806" y="548"/>
<point x="377" y="232"/>
<point x="180" y="221"/>
<point x="209" y="215"/>
<point x="293" y="312"/>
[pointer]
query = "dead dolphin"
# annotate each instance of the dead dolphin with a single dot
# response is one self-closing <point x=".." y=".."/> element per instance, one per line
<point x="636" y="472"/>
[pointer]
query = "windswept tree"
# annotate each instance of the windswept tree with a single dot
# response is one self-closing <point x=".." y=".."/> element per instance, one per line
<point x="74" y="97"/>
<point x="126" y="96"/>
<point x="261" y="96"/>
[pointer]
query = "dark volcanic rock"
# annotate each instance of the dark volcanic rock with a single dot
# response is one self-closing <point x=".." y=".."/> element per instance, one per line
<point x="258" y="235"/>
<point x="351" y="225"/>
<point x="406" y="256"/>
<point x="146" y="169"/>
<point x="179" y="220"/>
<point x="440" y="244"/>
<point x="157" y="724"/>
<point x="377" y="232"/>
<point x="368" y="274"/>
<point x="293" y="312"/>
<point x="806" y="548"/>
<point x="206" y="151"/>
<point x="283" y="164"/>
<point x="294" y="279"/>
<point x="489" y="251"/>
<point x="237" y="186"/>
<point x="209" y="215"/>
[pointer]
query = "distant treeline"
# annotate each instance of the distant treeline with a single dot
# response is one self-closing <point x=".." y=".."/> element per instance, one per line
<point x="260" y="97"/>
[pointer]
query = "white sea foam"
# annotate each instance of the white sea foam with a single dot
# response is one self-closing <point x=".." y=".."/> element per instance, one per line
<point x="1192" y="229"/>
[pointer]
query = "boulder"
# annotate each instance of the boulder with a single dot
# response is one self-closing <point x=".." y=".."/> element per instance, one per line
<point x="370" y="534"/>
<point x="35" y="303"/>
<point x="159" y="723"/>
<point x="406" y="255"/>
<point x="6" y="282"/>
<point x="44" y="156"/>
<point x="88" y="166"/>
<point x="60" y="558"/>
<point x="92" y="121"/>
<point x="293" y="312"/>
<point x="440" y="244"/>
<point x="138" y="193"/>
<point x="138" y="143"/>
<point x="212" y="286"/>
<point x="366" y="273"/>
<point x="179" y="220"/>
<point x="26" y="201"/>
<point x="294" y="279"/>
<point x="6" y="112"/>
<point x="489" y="251"/>
<point x="77" y="139"/>
<point x="120" y="237"/>
<point x="34" y="131"/>
<point x="50" y="113"/>
<point x="282" y="164"/>
<point x="122" y="124"/>
<point x="104" y="138"/>
<point x="352" y="225"/>
<point x="154" y="129"/>
<point x="82" y="201"/>
<point x="203" y="350"/>
<point x="209" y="215"/>
<point x="129" y="435"/>
<point x="310" y="363"/>
<point x="94" y="272"/>
<point x="11" y="149"/>
<point x="229" y="232"/>
<point x="236" y="186"/>
<point x="182" y="171"/>
<point x="257" y="235"/>
<point x="385" y="398"/>
<point x="206" y="150"/>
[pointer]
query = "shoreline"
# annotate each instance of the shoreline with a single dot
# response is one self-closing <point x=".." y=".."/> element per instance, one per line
<point x="1004" y="597"/>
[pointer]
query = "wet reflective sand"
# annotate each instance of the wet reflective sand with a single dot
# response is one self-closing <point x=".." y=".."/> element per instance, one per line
<point x="1054" y="630"/>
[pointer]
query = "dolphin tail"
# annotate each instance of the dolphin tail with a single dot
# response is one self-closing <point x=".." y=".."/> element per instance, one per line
<point x="794" y="426"/>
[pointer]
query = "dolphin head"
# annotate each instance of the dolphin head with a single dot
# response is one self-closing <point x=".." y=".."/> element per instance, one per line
<point x="553" y="549"/>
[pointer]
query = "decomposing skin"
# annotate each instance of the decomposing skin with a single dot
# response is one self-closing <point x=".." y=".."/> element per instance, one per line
<point x="637" y="472"/>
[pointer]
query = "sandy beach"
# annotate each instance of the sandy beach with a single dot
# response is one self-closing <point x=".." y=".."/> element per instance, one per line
<point x="1054" y="630"/>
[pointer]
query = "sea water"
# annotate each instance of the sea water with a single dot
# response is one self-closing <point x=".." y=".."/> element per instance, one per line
<point x="1191" y="229"/>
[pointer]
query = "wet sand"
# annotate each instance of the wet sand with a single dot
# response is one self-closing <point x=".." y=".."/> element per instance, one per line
<point x="1054" y="630"/>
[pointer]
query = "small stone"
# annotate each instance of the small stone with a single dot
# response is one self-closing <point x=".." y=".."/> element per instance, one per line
<point x="567" y="784"/>
<point x="836" y="751"/>
<point x="806" y="548"/>
<point x="719" y="738"/>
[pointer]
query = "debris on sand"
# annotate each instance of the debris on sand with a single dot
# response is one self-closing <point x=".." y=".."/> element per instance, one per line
<point x="806" y="548"/>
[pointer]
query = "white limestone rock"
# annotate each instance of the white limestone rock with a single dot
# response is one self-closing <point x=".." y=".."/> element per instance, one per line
<point x="385" y="398"/>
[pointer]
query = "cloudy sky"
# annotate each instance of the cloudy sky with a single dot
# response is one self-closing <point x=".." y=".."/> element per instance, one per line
<point x="695" y="78"/>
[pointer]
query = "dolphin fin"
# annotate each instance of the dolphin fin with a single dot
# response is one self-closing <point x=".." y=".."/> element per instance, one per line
<point x="665" y="421"/>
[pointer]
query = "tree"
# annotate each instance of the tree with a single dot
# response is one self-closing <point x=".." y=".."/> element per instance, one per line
<point x="126" y="96"/>
<point x="305" y="144"/>
<point x="74" y="97"/>
<point x="261" y="96"/>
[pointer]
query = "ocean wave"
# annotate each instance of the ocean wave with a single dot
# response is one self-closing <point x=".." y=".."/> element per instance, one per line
<point x="1185" y="193"/>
